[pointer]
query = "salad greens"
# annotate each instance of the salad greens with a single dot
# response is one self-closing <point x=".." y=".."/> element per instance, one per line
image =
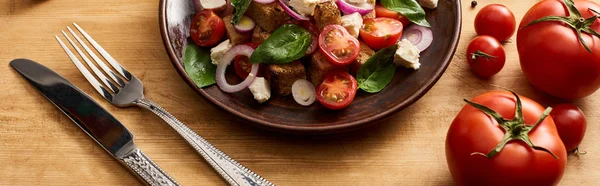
<point x="288" y="43"/>
<point x="240" y="8"/>
<point x="378" y="71"/>
<point x="198" y="65"/>
<point x="409" y="9"/>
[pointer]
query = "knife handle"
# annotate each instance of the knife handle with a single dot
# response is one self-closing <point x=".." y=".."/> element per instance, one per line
<point x="146" y="169"/>
<point x="230" y="170"/>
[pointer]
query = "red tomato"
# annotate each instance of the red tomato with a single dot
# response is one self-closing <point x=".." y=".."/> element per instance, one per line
<point x="338" y="46"/>
<point x="485" y="56"/>
<point x="497" y="21"/>
<point x="207" y="28"/>
<point x="381" y="11"/>
<point x="337" y="90"/>
<point x="473" y="131"/>
<point x="242" y="66"/>
<point x="381" y="32"/>
<point x="571" y="124"/>
<point x="552" y="57"/>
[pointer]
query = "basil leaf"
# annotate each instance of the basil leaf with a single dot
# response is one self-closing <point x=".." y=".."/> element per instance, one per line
<point x="409" y="9"/>
<point x="240" y="7"/>
<point x="288" y="43"/>
<point x="198" y="66"/>
<point x="378" y="71"/>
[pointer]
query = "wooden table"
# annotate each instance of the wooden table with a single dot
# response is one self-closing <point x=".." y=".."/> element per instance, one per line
<point x="40" y="146"/>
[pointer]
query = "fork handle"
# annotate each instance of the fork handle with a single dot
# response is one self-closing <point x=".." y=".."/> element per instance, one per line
<point x="146" y="169"/>
<point x="233" y="172"/>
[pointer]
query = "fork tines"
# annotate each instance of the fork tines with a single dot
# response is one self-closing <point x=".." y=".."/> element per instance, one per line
<point x="109" y="87"/>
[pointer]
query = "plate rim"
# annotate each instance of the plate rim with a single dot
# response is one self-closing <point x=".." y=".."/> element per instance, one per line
<point x="175" y="61"/>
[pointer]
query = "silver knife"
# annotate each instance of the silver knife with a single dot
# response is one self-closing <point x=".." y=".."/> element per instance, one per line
<point x="93" y="119"/>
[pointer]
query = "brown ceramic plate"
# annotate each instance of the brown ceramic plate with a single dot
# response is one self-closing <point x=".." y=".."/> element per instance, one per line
<point x="283" y="114"/>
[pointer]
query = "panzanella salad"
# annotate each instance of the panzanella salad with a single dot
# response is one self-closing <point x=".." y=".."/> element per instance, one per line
<point x="312" y="50"/>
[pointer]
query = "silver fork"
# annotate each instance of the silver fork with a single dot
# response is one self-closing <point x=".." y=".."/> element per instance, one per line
<point x="127" y="90"/>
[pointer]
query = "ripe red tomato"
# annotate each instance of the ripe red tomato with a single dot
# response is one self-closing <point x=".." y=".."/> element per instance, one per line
<point x="337" y="45"/>
<point x="552" y="57"/>
<point x="242" y="66"/>
<point x="382" y="32"/>
<point x="381" y="11"/>
<point x="207" y="28"/>
<point x="485" y="56"/>
<point x="337" y="90"/>
<point x="570" y="123"/>
<point x="517" y="163"/>
<point x="495" y="20"/>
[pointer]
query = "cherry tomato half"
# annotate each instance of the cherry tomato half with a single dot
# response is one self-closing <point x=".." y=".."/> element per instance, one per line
<point x="243" y="67"/>
<point x="337" y="45"/>
<point x="497" y="21"/>
<point x="570" y="123"/>
<point x="337" y="90"/>
<point x="207" y="28"/>
<point x="485" y="56"/>
<point x="381" y="11"/>
<point x="381" y="32"/>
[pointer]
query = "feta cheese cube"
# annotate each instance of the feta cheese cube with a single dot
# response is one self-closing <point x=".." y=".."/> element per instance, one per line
<point x="260" y="89"/>
<point x="304" y="7"/>
<point x="428" y="3"/>
<point x="407" y="55"/>
<point x="217" y="52"/>
<point x="352" y="23"/>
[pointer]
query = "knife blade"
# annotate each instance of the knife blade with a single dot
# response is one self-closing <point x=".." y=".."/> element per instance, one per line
<point x="94" y="120"/>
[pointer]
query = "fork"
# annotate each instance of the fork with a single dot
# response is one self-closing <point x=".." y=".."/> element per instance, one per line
<point x="126" y="90"/>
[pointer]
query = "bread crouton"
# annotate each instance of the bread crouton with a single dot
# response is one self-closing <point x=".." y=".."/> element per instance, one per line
<point x="283" y="76"/>
<point x="268" y="16"/>
<point x="327" y="13"/>
<point x="364" y="55"/>
<point x="319" y="66"/>
<point x="259" y="35"/>
<point x="234" y="36"/>
<point x="371" y="14"/>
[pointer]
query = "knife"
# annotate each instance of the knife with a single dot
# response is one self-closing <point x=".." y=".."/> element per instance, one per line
<point x="98" y="123"/>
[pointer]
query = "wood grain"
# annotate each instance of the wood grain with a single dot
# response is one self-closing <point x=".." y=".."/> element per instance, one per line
<point x="40" y="146"/>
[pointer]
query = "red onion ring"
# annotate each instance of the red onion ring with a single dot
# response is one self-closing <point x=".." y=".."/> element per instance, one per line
<point x="288" y="10"/>
<point x="244" y="29"/>
<point x="264" y="1"/>
<point x="301" y="86"/>
<point x="420" y="36"/>
<point x="226" y="60"/>
<point x="349" y="8"/>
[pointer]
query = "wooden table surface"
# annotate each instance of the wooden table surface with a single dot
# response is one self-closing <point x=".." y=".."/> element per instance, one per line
<point x="41" y="146"/>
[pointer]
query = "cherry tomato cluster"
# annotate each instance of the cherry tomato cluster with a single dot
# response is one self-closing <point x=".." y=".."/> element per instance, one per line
<point x="494" y="23"/>
<point x="493" y="130"/>
<point x="340" y="48"/>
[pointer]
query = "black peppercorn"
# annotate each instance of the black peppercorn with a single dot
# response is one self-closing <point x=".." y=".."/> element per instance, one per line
<point x="473" y="4"/>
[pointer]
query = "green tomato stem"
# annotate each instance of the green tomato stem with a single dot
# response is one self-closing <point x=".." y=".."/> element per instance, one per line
<point x="574" y="20"/>
<point x="479" y="53"/>
<point x="514" y="129"/>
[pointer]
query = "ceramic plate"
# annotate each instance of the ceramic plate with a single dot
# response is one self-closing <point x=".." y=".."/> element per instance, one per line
<point x="284" y="115"/>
